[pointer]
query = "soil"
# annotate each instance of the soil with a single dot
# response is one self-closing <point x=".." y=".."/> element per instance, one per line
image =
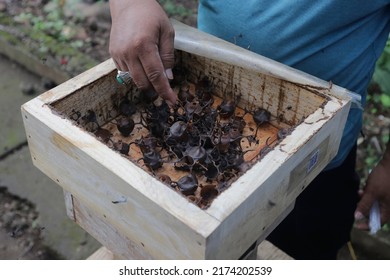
<point x="20" y="235"/>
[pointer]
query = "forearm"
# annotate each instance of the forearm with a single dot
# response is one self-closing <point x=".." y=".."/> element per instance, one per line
<point x="118" y="6"/>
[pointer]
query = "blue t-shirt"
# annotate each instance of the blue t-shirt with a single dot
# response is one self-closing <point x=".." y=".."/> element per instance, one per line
<point x="335" y="40"/>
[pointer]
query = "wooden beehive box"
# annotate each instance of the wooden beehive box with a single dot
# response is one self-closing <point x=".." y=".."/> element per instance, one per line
<point x="135" y="215"/>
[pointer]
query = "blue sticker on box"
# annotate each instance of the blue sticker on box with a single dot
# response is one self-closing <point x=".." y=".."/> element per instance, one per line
<point x="313" y="161"/>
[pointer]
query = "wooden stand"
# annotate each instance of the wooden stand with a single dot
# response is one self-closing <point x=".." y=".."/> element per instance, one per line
<point x="264" y="251"/>
<point x="87" y="220"/>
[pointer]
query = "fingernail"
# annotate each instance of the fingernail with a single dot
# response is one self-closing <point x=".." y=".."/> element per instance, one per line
<point x="173" y="101"/>
<point x="169" y="102"/>
<point x="358" y="215"/>
<point x="169" y="73"/>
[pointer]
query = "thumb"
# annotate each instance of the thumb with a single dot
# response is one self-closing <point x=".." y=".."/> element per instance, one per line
<point x="364" y="205"/>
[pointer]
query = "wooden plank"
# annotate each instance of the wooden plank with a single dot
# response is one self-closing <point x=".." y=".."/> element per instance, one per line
<point x="112" y="238"/>
<point x="264" y="251"/>
<point x="200" y="43"/>
<point x="102" y="254"/>
<point x="267" y="251"/>
<point x="81" y="82"/>
<point x="68" y="197"/>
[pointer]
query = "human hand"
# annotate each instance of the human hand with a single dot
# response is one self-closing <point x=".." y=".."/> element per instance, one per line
<point x="377" y="189"/>
<point x="141" y="42"/>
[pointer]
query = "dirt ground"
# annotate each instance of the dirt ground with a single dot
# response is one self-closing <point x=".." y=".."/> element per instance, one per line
<point x="20" y="235"/>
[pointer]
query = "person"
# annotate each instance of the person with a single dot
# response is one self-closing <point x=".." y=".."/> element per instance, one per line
<point x="337" y="41"/>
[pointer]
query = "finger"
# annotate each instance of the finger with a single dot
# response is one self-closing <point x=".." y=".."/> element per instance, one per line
<point x="166" y="50"/>
<point x="120" y="65"/>
<point x="365" y="204"/>
<point x="362" y="225"/>
<point x="385" y="213"/>
<point x="155" y="73"/>
<point x="139" y="76"/>
<point x="361" y="221"/>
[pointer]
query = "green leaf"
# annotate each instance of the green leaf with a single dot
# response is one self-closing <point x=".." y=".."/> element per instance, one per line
<point x="370" y="161"/>
<point x="382" y="69"/>
<point x="385" y="138"/>
<point x="373" y="111"/>
<point x="385" y="100"/>
<point x="382" y="77"/>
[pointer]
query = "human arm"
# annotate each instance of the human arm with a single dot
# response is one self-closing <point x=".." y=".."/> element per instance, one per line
<point x="377" y="188"/>
<point x="141" y="42"/>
